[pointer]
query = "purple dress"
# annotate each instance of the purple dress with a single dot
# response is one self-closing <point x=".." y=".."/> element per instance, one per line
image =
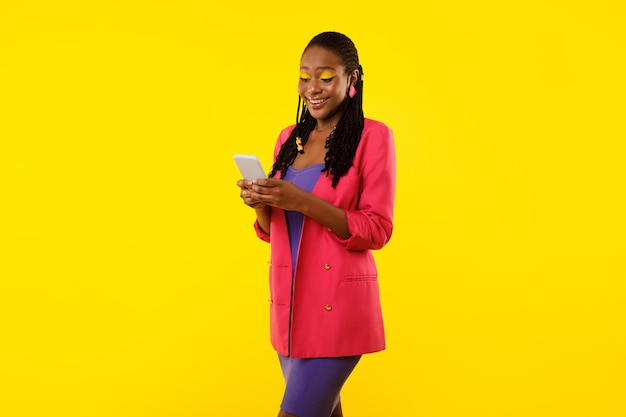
<point x="305" y="179"/>
<point x="313" y="384"/>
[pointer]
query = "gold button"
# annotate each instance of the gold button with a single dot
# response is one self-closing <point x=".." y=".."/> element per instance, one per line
<point x="328" y="307"/>
<point x="326" y="267"/>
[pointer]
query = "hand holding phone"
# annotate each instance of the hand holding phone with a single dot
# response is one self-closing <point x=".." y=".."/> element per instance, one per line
<point x="250" y="166"/>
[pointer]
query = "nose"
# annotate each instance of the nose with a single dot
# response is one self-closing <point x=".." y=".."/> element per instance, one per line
<point x="314" y="86"/>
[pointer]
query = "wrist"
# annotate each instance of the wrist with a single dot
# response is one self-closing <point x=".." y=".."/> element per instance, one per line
<point x="305" y="203"/>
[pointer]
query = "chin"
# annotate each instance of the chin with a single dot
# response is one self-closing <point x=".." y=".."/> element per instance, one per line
<point x="323" y="114"/>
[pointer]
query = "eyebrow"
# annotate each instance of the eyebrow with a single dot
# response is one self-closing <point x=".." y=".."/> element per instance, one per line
<point x="321" y="68"/>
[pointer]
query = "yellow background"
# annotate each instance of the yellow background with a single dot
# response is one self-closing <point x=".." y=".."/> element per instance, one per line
<point x="131" y="282"/>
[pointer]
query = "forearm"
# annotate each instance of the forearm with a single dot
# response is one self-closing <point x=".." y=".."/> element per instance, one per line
<point x="334" y="218"/>
<point x="263" y="216"/>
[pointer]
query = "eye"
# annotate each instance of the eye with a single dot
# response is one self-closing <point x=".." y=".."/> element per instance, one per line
<point x="327" y="76"/>
<point x="305" y="79"/>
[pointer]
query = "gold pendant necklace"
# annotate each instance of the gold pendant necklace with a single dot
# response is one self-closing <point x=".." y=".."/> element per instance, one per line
<point x="300" y="146"/>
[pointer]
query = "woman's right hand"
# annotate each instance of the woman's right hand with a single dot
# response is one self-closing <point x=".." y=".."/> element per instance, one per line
<point x="244" y="193"/>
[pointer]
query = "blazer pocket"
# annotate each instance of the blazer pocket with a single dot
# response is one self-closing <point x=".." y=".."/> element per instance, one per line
<point x="358" y="278"/>
<point x="359" y="294"/>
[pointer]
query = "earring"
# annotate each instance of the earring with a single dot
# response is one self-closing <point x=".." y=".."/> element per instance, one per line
<point x="351" y="91"/>
<point x="299" y="146"/>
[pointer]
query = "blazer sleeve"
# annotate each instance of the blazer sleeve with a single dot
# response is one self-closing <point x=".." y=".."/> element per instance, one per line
<point x="260" y="233"/>
<point x="371" y="223"/>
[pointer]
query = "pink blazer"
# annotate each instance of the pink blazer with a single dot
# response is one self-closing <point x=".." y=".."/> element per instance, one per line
<point x="333" y="307"/>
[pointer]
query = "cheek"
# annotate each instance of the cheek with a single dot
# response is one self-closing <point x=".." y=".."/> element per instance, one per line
<point x="338" y="91"/>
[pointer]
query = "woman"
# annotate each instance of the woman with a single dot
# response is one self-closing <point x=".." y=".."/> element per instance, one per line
<point x="327" y="203"/>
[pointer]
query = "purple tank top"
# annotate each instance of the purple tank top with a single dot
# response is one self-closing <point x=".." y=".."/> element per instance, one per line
<point x="306" y="179"/>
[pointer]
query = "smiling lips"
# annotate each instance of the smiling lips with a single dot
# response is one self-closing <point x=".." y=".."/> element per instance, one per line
<point x="318" y="101"/>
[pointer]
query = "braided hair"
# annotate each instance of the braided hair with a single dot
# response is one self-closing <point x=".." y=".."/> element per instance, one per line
<point x="344" y="140"/>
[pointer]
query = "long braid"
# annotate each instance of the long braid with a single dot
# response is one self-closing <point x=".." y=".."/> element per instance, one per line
<point x="345" y="139"/>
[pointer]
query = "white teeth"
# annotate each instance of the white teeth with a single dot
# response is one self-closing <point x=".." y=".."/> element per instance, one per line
<point x="317" y="101"/>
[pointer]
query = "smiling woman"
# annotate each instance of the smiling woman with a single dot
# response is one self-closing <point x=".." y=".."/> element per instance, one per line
<point x="328" y="202"/>
<point x="323" y="85"/>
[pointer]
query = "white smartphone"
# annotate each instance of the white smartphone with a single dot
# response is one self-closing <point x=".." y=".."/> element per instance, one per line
<point x="250" y="167"/>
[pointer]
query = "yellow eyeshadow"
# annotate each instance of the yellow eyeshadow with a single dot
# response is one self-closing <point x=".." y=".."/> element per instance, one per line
<point x="305" y="76"/>
<point x="326" y="75"/>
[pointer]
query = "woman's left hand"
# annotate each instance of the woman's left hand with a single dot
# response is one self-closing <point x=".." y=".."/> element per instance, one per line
<point x="278" y="193"/>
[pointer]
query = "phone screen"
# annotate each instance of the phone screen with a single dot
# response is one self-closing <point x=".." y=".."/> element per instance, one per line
<point x="250" y="166"/>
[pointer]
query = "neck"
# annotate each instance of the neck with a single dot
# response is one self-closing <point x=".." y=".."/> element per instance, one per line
<point x="324" y="128"/>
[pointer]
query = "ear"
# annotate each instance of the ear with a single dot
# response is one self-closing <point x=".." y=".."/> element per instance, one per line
<point x="353" y="78"/>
